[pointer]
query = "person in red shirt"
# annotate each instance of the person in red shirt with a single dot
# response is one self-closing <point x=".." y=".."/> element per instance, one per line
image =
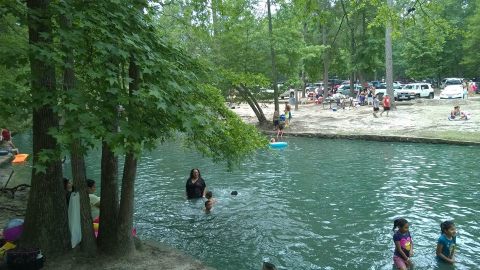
<point x="386" y="104"/>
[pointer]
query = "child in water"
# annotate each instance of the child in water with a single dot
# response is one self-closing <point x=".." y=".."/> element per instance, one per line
<point x="209" y="196"/>
<point x="446" y="242"/>
<point x="208" y="206"/>
<point x="403" y="244"/>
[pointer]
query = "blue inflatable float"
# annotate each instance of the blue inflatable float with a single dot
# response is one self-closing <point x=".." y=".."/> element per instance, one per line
<point x="278" y="145"/>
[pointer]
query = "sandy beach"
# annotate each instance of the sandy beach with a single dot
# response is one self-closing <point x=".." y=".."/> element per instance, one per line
<point x="422" y="118"/>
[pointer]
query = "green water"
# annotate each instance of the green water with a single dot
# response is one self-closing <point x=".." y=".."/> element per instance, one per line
<point x="319" y="204"/>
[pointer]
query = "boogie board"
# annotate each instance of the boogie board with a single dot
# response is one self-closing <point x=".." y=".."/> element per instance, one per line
<point x="20" y="158"/>
<point x="278" y="145"/>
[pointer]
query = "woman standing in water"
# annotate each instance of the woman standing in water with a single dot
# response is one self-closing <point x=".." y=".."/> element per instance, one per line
<point x="195" y="186"/>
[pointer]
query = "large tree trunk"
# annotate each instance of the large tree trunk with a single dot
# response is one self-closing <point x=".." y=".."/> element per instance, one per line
<point x="325" y="61"/>
<point x="125" y="215"/>
<point x="352" y="46"/>
<point x="389" y="57"/>
<point x="326" y="52"/>
<point x="253" y="104"/>
<point x="272" y="54"/>
<point x="88" y="243"/>
<point x="107" y="233"/>
<point x="46" y="223"/>
<point x="125" y="244"/>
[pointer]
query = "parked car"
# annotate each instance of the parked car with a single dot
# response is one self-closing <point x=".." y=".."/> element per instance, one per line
<point x="290" y="93"/>
<point x="310" y="89"/>
<point x="452" y="91"/>
<point x="381" y="89"/>
<point x="424" y="90"/>
<point x="345" y="89"/>
<point x="451" y="81"/>
<point x="265" y="90"/>
<point x="375" y="84"/>
<point x="318" y="84"/>
<point x="404" y="94"/>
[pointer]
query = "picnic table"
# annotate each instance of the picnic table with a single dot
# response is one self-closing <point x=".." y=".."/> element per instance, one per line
<point x="340" y="101"/>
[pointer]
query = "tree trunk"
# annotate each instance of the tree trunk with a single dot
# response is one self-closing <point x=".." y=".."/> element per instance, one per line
<point x="46" y="225"/>
<point x="125" y="244"/>
<point x="272" y="54"/>
<point x="125" y="215"/>
<point x="107" y="233"/>
<point x="214" y="9"/>
<point x="88" y="244"/>
<point x="388" y="57"/>
<point x="325" y="62"/>
<point x="253" y="104"/>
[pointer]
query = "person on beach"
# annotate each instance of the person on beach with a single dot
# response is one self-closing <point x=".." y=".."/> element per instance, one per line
<point x="370" y="96"/>
<point x="447" y="242"/>
<point x="386" y="104"/>
<point x="195" y="186"/>
<point x="288" y="114"/>
<point x="403" y="244"/>
<point x="94" y="199"/>
<point x="362" y="98"/>
<point x="376" y="106"/>
<point x="281" y="126"/>
<point x="456" y="114"/>
<point x="276" y="116"/>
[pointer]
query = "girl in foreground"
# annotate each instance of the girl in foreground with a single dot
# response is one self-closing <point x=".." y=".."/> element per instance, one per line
<point x="446" y="242"/>
<point x="403" y="244"/>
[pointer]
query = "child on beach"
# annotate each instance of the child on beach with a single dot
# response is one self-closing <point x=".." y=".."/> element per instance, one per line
<point x="386" y="104"/>
<point x="446" y="242"/>
<point x="276" y="116"/>
<point x="370" y="96"/>
<point x="403" y="244"/>
<point x="281" y="126"/>
<point x="456" y="114"/>
<point x="376" y="106"/>
<point x="288" y="114"/>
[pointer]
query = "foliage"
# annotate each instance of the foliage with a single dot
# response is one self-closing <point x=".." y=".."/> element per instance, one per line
<point x="14" y="68"/>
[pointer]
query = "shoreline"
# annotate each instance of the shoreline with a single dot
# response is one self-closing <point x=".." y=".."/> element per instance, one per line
<point x="418" y="121"/>
<point x="379" y="138"/>
<point x="149" y="254"/>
